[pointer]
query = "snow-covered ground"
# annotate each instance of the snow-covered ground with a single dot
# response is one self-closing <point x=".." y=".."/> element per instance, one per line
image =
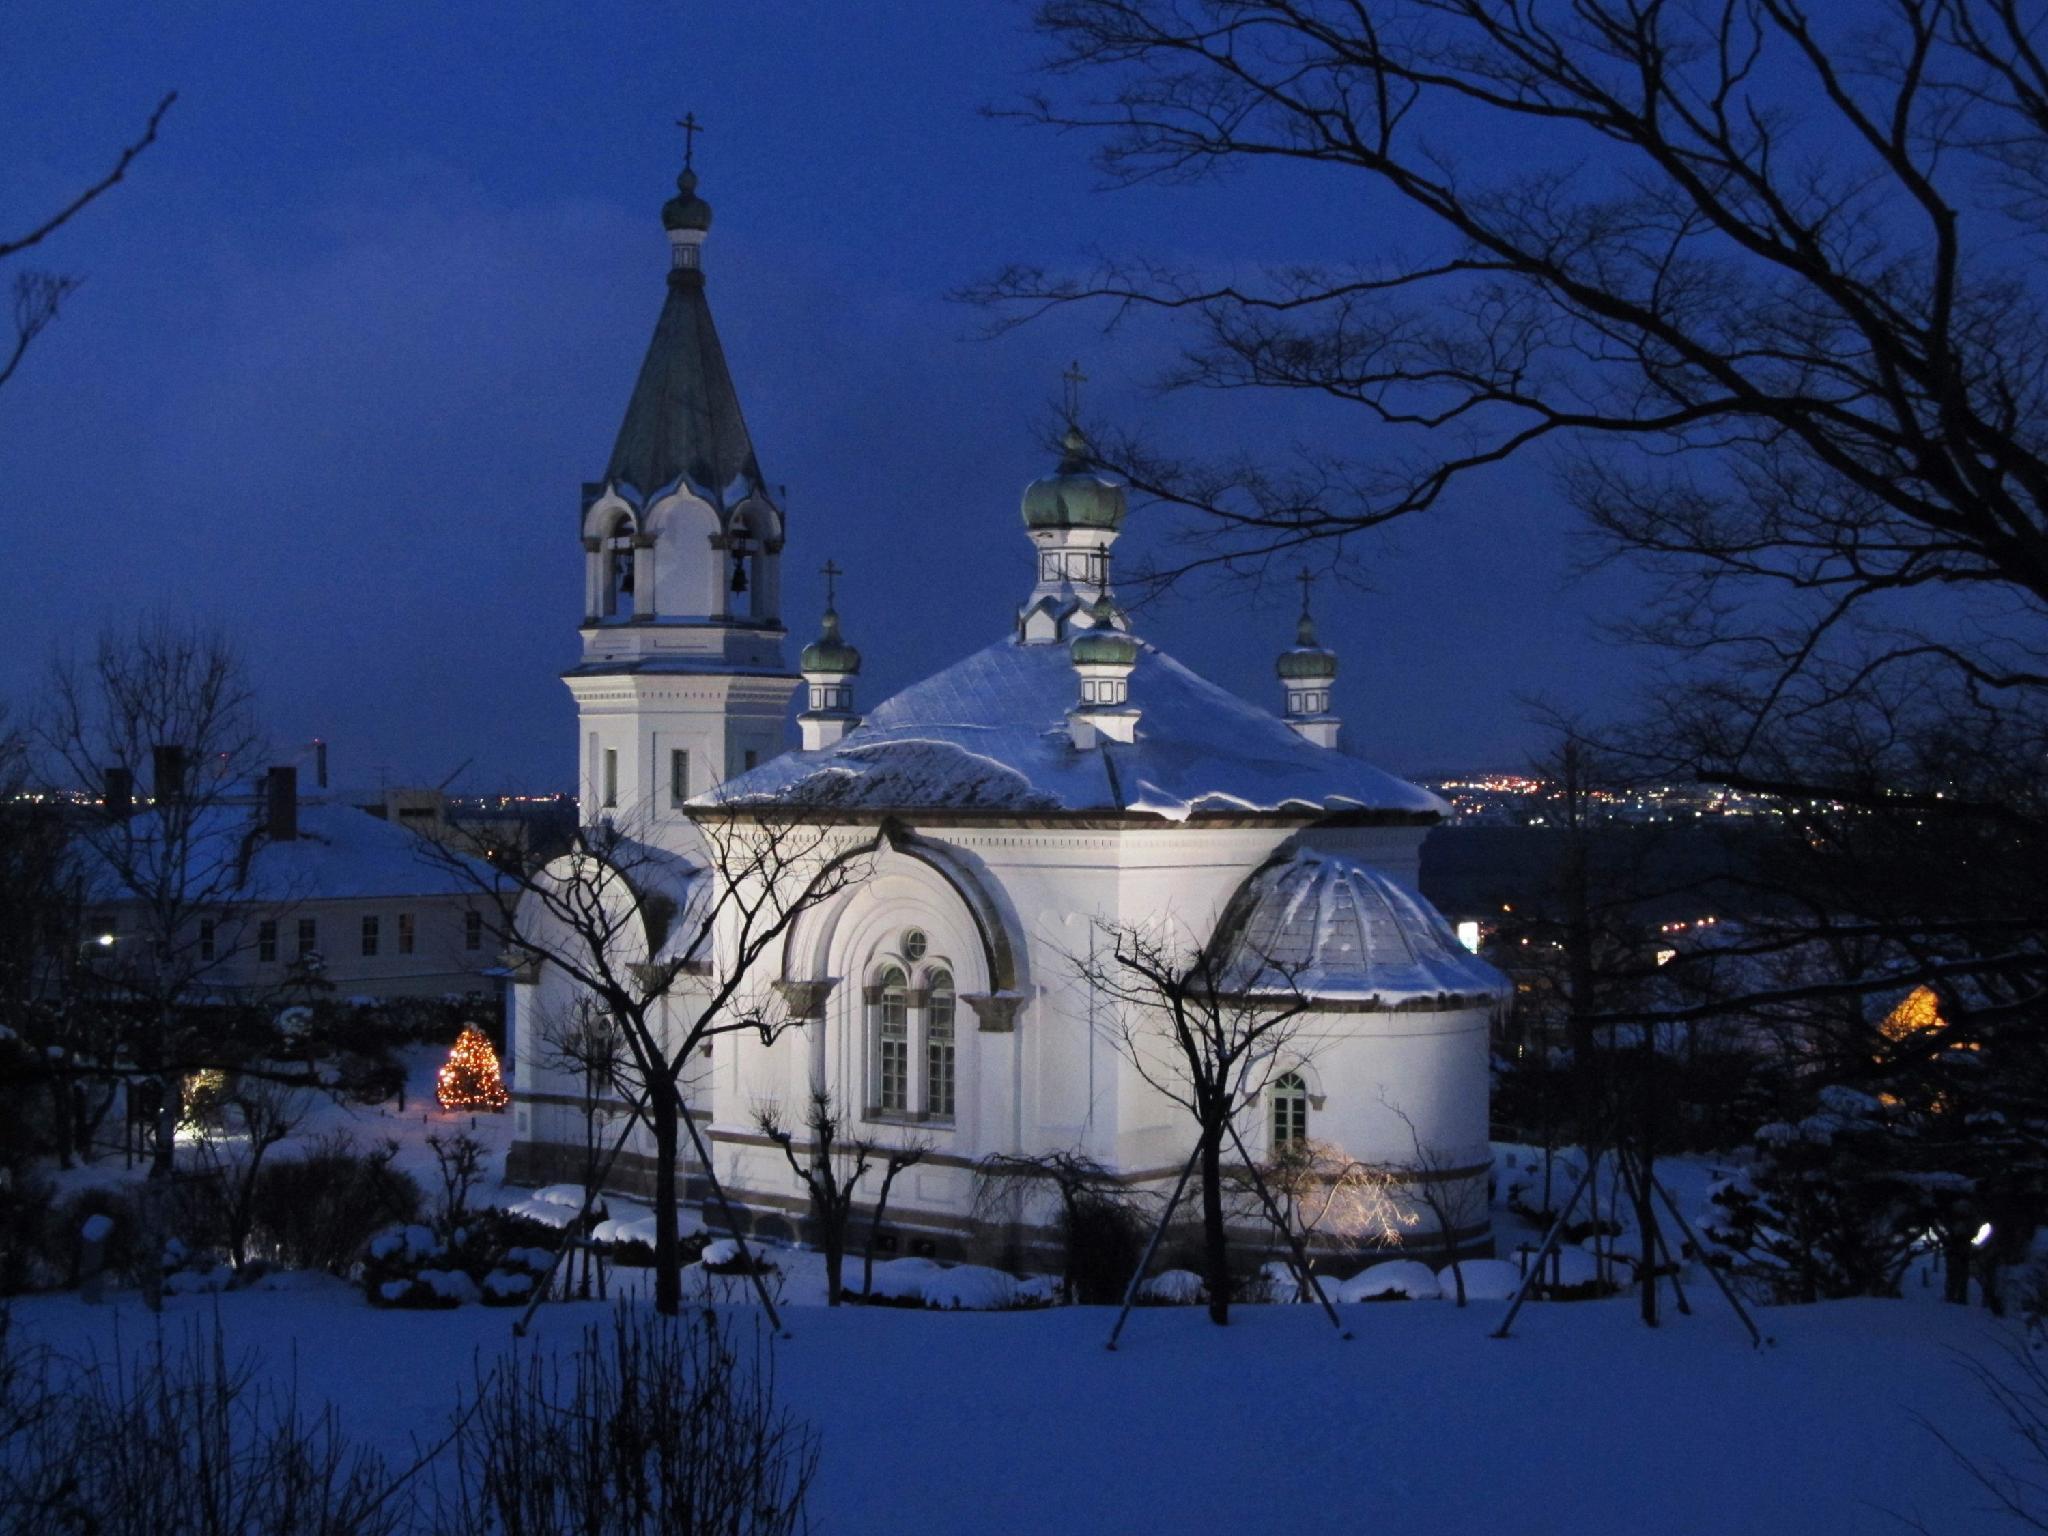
<point x="1583" y="1423"/>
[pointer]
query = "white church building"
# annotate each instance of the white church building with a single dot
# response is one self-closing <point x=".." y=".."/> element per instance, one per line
<point x="1064" y="775"/>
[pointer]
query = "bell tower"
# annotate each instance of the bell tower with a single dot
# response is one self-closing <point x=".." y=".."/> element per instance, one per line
<point x="683" y="682"/>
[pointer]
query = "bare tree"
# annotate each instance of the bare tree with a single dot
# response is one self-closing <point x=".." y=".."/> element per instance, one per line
<point x="1208" y="1031"/>
<point x="1096" y="1208"/>
<point x="1439" y="1178"/>
<point x="1329" y="1196"/>
<point x="831" y="1166"/>
<point x="173" y="697"/>
<point x="673" y="950"/>
<point x="38" y="295"/>
<point x="238" y="1128"/>
<point x="586" y="1042"/>
<point x="1762" y="282"/>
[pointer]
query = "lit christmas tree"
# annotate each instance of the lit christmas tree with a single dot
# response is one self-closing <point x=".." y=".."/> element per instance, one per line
<point x="470" y="1079"/>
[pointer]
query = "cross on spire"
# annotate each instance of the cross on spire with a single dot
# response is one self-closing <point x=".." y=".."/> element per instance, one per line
<point x="1307" y="581"/>
<point x="1074" y="379"/>
<point x="831" y="572"/>
<point x="691" y="128"/>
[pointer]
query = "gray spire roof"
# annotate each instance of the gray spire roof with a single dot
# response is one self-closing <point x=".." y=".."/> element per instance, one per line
<point x="684" y="421"/>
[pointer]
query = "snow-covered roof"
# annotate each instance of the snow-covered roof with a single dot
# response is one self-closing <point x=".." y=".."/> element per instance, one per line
<point x="1330" y="927"/>
<point x="989" y="733"/>
<point x="340" y="854"/>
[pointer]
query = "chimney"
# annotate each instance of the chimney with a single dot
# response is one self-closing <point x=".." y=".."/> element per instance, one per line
<point x="120" y="794"/>
<point x="281" y="804"/>
<point x="319" y="763"/>
<point x="167" y="775"/>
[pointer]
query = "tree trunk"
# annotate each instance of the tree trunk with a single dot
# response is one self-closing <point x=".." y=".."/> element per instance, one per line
<point x="835" y="1259"/>
<point x="167" y="1114"/>
<point x="1215" y="1248"/>
<point x="668" y="1267"/>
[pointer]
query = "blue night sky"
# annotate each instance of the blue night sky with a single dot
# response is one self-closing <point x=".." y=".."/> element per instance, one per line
<point x="359" y="326"/>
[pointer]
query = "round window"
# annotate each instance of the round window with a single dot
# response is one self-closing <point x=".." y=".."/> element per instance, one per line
<point x="914" y="944"/>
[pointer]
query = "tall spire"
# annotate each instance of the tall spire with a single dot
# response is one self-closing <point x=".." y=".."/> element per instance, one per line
<point x="683" y="421"/>
<point x="1306" y="673"/>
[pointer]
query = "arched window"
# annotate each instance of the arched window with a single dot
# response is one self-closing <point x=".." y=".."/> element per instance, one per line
<point x="892" y="1043"/>
<point x="938" y="1045"/>
<point x="618" y="570"/>
<point x="1290" y="1110"/>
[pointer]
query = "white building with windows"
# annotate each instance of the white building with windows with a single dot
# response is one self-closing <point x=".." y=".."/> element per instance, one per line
<point x="1066" y="774"/>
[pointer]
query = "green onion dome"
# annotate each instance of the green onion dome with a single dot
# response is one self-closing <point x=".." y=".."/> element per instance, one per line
<point x="1105" y="645"/>
<point x="829" y="653"/>
<point x="1307" y="662"/>
<point x="1074" y="498"/>
<point x="686" y="210"/>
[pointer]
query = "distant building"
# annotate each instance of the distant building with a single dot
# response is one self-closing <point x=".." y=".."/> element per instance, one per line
<point x="286" y="893"/>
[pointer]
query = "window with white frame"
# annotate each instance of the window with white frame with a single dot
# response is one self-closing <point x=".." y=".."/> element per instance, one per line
<point x="1289" y="1095"/>
<point x="892" y="1043"/>
<point x="938" y="1045"/>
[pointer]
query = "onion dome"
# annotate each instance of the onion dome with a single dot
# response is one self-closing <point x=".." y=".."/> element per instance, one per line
<point x="1330" y="927"/>
<point x="1308" y="661"/>
<point x="1104" y="645"/>
<point x="686" y="210"/>
<point x="829" y="653"/>
<point x="1074" y="497"/>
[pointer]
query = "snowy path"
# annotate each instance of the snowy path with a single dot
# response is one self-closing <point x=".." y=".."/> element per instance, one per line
<point x="1583" y="1424"/>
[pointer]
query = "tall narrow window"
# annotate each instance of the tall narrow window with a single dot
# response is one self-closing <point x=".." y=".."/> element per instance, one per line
<point x="309" y="937"/>
<point x="611" y="776"/>
<point x="892" y="1044"/>
<point x="266" y="941"/>
<point x="472" y="930"/>
<point x="206" y="938"/>
<point x="1290" y="1110"/>
<point x="405" y="933"/>
<point x="678" y="777"/>
<point x="369" y="935"/>
<point x="750" y="760"/>
<point x="938" y="1046"/>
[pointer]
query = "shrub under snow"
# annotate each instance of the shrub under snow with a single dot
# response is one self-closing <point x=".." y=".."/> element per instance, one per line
<point x="1394" y="1280"/>
<point x="1485" y="1280"/>
<point x="1173" y="1288"/>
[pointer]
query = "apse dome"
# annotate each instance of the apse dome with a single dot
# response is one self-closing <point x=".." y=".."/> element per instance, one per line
<point x="1333" y="928"/>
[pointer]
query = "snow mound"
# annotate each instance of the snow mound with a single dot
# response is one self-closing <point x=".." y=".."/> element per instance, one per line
<point x="1038" y="1291"/>
<point x="1485" y="1280"/>
<point x="638" y="1229"/>
<point x="1394" y="1280"/>
<point x="570" y="1195"/>
<point x="1173" y="1287"/>
<point x="97" y="1228"/>
<point x="969" y="1288"/>
<point x="719" y="1251"/>
<point x="448" y="1284"/>
<point x="901" y="1279"/>
<point x="1279" y="1282"/>
<point x="199" y="1282"/>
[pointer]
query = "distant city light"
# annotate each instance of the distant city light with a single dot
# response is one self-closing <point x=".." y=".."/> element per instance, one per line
<point x="106" y="941"/>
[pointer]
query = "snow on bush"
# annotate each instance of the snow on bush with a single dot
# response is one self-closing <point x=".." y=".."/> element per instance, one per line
<point x="1394" y="1280"/>
<point x="1485" y="1280"/>
<point x="969" y="1288"/>
<point x="1172" y="1288"/>
<point x="898" y="1279"/>
<point x="451" y="1285"/>
<point x="1038" y="1291"/>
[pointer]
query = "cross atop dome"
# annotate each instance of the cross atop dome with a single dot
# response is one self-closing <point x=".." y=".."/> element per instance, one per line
<point x="1306" y="673"/>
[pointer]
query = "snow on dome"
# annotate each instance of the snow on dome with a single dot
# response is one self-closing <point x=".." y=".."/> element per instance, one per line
<point x="1331" y="927"/>
<point x="990" y="733"/>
